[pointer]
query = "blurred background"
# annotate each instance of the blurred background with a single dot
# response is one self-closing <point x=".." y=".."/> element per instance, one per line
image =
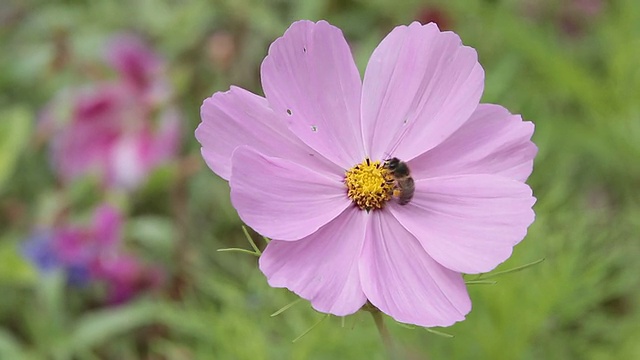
<point x="110" y="220"/>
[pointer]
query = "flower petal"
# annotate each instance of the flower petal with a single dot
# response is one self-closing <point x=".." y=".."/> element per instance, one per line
<point x="492" y="141"/>
<point x="281" y="199"/>
<point x="403" y="281"/>
<point x="322" y="267"/>
<point x="310" y="77"/>
<point x="238" y="117"/>
<point x="134" y="60"/>
<point x="468" y="223"/>
<point x="107" y="226"/>
<point x="420" y="86"/>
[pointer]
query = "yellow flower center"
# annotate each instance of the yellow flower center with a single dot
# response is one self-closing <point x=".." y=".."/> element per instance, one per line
<point x="369" y="185"/>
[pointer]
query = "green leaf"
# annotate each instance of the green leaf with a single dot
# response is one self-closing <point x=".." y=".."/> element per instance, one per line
<point x="152" y="231"/>
<point x="101" y="326"/>
<point x="15" y="127"/>
<point x="10" y="348"/>
<point x="14" y="268"/>
<point x="504" y="272"/>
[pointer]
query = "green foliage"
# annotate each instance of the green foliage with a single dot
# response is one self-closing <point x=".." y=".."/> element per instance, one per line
<point x="15" y="129"/>
<point x="13" y="267"/>
<point x="580" y="86"/>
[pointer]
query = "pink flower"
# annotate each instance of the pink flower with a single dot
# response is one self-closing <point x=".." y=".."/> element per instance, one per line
<point x="76" y="248"/>
<point x="93" y="252"/>
<point x="125" y="276"/>
<point x="118" y="131"/>
<point x="306" y="168"/>
<point x="139" y="67"/>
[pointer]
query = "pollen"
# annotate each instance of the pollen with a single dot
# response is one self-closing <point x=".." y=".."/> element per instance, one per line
<point x="369" y="185"/>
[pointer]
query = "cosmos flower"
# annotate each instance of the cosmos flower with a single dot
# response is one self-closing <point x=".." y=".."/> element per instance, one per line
<point x="307" y="167"/>
<point x="120" y="130"/>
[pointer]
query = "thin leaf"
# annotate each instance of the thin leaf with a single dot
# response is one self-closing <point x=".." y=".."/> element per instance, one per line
<point x="286" y="307"/>
<point x="239" y="250"/>
<point x="440" y="333"/>
<point x="253" y="244"/>
<point x="311" y="328"/>
<point x="480" y="282"/>
<point x="508" y="271"/>
<point x="406" y="326"/>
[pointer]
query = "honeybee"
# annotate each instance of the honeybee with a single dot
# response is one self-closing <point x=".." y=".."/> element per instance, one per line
<point x="404" y="186"/>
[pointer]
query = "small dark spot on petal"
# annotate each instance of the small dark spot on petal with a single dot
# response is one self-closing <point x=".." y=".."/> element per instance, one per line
<point x="289" y="111"/>
<point x="304" y="49"/>
<point x="314" y="128"/>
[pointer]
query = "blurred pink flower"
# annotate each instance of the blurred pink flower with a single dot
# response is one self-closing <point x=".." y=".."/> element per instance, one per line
<point x="305" y="167"/>
<point x="76" y="248"/>
<point x="141" y="69"/>
<point x="126" y="276"/>
<point x="93" y="253"/>
<point x="119" y="131"/>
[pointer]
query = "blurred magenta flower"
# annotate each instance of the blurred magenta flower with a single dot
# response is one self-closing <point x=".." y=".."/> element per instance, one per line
<point x="92" y="253"/>
<point x="76" y="248"/>
<point x="125" y="276"/>
<point x="120" y="130"/>
<point x="140" y="69"/>
<point x="306" y="167"/>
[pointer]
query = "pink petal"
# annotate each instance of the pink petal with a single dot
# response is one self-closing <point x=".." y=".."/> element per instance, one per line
<point x="281" y="199"/>
<point x="403" y="281"/>
<point x="73" y="245"/>
<point x="468" y="223"/>
<point x="420" y="86"/>
<point x="128" y="166"/>
<point x="134" y="60"/>
<point x="107" y="226"/>
<point x="310" y="78"/>
<point x="238" y="117"/>
<point x="492" y="141"/>
<point x="82" y="143"/>
<point x="166" y="142"/>
<point x="322" y="267"/>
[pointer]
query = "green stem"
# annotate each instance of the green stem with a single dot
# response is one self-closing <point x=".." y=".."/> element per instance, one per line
<point x="384" y="333"/>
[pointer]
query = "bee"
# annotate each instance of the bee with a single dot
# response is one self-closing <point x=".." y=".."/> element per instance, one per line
<point x="404" y="186"/>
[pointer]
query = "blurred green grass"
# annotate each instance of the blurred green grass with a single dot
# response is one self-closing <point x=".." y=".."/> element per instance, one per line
<point x="581" y="89"/>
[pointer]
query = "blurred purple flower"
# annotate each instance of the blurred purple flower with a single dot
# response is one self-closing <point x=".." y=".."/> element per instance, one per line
<point x="39" y="250"/>
<point x="74" y="248"/>
<point x="118" y="131"/>
<point x="125" y="276"/>
<point x="91" y="253"/>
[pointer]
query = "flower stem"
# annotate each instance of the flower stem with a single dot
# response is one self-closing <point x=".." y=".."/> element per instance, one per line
<point x="384" y="333"/>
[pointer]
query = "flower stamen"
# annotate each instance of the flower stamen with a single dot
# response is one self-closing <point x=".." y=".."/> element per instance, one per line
<point x="369" y="185"/>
